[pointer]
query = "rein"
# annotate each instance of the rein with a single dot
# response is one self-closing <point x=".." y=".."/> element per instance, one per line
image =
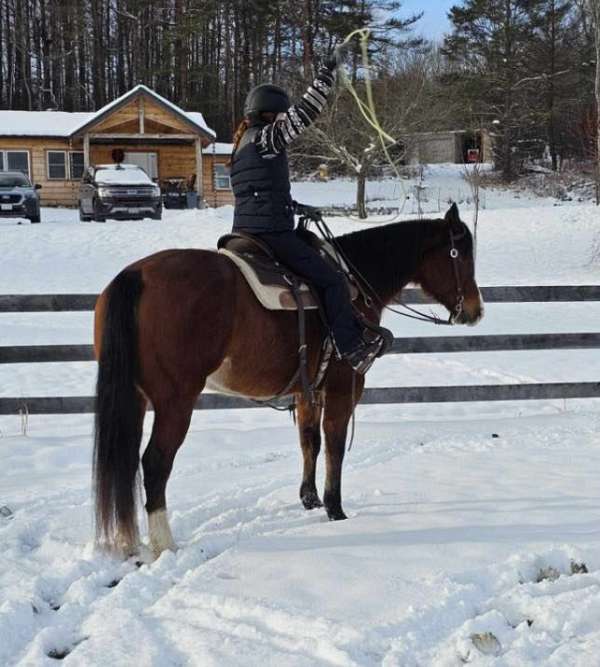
<point x="369" y="299"/>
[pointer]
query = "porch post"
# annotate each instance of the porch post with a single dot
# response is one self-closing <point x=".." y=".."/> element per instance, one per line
<point x="86" y="150"/>
<point x="141" y="111"/>
<point x="199" y="174"/>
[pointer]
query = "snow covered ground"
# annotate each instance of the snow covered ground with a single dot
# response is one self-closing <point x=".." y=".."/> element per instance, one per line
<point x="465" y="519"/>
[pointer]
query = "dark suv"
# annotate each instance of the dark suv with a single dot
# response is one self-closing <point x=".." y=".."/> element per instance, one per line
<point x="121" y="191"/>
<point x="18" y="197"/>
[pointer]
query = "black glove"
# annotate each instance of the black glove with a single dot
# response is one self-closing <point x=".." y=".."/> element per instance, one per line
<point x="306" y="211"/>
<point x="337" y="57"/>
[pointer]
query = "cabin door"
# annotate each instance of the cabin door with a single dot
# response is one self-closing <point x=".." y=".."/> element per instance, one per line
<point x="147" y="161"/>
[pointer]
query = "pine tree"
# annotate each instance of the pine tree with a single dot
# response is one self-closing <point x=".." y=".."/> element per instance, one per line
<point x="489" y="47"/>
<point x="553" y="63"/>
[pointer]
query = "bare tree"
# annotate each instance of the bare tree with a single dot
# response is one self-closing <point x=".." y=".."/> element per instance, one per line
<point x="594" y="7"/>
<point x="405" y="101"/>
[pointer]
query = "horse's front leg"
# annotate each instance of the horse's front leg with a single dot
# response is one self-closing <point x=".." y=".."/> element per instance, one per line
<point x="340" y="400"/>
<point x="309" y="426"/>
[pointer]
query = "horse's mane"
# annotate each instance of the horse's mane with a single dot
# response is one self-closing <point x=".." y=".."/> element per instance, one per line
<point x="388" y="255"/>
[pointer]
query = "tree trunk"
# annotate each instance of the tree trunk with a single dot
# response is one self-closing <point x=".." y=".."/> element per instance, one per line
<point x="596" y="14"/>
<point x="361" y="205"/>
<point x="307" y="39"/>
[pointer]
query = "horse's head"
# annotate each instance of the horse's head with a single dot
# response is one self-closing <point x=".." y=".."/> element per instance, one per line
<point x="447" y="269"/>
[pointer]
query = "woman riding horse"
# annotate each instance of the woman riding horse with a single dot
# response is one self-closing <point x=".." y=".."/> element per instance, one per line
<point x="264" y="206"/>
<point x="180" y="321"/>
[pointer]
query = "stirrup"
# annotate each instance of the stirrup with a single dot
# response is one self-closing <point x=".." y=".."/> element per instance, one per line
<point x="363" y="356"/>
<point x="374" y="331"/>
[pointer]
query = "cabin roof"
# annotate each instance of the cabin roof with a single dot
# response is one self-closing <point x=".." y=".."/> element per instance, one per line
<point x="63" y="124"/>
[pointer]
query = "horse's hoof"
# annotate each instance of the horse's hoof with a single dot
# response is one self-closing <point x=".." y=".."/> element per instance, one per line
<point x="159" y="549"/>
<point x="311" y="501"/>
<point x="336" y="515"/>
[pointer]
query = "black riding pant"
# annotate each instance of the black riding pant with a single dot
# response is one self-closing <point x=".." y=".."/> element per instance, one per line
<point x="330" y="284"/>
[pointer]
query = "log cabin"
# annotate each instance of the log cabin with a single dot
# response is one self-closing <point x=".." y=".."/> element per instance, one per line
<point x="54" y="147"/>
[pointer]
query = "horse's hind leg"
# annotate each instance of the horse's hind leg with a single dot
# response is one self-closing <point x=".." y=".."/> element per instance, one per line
<point x="340" y="400"/>
<point x="171" y="423"/>
<point x="309" y="425"/>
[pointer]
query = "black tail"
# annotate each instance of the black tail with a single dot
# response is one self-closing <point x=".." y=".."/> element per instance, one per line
<point x="119" y="415"/>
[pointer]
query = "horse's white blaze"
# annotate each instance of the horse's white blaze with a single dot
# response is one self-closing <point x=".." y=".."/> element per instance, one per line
<point x="159" y="531"/>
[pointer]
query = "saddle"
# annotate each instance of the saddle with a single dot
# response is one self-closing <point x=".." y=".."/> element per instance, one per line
<point x="273" y="284"/>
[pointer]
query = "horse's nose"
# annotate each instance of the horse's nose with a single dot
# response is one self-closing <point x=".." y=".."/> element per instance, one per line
<point x="472" y="311"/>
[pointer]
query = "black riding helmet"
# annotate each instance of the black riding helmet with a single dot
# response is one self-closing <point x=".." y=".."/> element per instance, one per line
<point x="266" y="97"/>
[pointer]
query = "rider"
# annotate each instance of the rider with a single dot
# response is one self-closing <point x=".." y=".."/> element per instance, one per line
<point x="264" y="206"/>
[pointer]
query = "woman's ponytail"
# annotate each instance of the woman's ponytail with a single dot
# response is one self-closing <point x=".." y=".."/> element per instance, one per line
<point x="237" y="137"/>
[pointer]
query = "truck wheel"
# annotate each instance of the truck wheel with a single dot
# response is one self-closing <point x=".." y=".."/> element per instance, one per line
<point x="82" y="216"/>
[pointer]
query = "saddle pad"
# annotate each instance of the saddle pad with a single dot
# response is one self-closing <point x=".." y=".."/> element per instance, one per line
<point x="270" y="289"/>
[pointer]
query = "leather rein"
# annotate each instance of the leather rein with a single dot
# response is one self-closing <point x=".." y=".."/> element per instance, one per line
<point x="373" y="298"/>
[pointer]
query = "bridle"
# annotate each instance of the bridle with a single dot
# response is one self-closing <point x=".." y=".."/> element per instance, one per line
<point x="373" y="298"/>
<point x="454" y="255"/>
<point x="455" y="313"/>
<point x="309" y="214"/>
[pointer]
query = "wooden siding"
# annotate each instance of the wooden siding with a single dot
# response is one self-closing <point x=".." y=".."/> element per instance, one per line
<point x="174" y="161"/>
<point x="53" y="192"/>
<point x="212" y="196"/>
<point x="128" y="116"/>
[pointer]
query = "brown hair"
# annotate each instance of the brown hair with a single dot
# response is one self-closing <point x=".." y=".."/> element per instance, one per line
<point x="245" y="123"/>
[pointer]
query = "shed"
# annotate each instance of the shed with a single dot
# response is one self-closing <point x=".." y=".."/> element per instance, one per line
<point x="452" y="146"/>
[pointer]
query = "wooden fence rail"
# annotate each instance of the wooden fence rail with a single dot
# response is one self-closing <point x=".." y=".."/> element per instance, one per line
<point x="26" y="354"/>
<point x="30" y="303"/>
<point x="385" y="395"/>
<point x="388" y="395"/>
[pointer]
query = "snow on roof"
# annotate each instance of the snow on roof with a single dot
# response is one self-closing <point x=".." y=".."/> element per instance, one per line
<point x="40" y="123"/>
<point x="198" y="118"/>
<point x="65" y="124"/>
<point x="219" y="148"/>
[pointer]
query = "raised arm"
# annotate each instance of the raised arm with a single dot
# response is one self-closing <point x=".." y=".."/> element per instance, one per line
<point x="278" y="135"/>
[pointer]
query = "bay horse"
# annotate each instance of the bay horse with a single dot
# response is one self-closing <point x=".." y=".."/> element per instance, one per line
<point x="179" y="321"/>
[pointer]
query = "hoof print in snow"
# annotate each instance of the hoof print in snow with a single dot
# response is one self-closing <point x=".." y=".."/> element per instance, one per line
<point x="58" y="653"/>
<point x="6" y="512"/>
<point x="486" y="643"/>
<point x="113" y="583"/>
<point x="54" y="606"/>
<point x="547" y="574"/>
<point x="578" y="568"/>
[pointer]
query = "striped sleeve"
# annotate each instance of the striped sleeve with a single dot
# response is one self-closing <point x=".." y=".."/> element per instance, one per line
<point x="277" y="136"/>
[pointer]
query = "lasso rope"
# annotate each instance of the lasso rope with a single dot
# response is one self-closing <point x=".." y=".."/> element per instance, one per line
<point x="367" y="109"/>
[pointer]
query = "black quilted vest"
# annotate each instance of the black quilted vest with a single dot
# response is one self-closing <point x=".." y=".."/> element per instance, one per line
<point x="263" y="202"/>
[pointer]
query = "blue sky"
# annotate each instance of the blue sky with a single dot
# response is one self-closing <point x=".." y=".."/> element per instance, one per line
<point x="434" y="23"/>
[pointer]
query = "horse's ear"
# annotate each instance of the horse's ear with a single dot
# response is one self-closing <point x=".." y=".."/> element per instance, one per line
<point x="453" y="216"/>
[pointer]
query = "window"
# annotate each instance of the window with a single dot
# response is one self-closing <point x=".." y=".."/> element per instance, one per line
<point x="222" y="177"/>
<point x="15" y="161"/>
<point x="57" y="165"/>
<point x="76" y="165"/>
